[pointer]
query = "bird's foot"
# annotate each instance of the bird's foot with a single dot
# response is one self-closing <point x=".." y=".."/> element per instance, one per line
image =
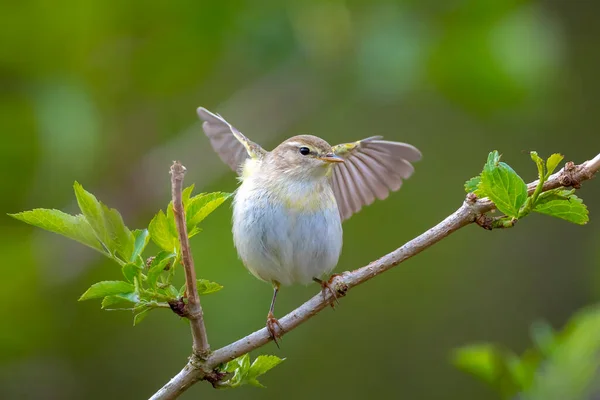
<point x="326" y="286"/>
<point x="273" y="326"/>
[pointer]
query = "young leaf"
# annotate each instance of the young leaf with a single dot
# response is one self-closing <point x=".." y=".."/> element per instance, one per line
<point x="562" y="204"/>
<point x="207" y="287"/>
<point x="119" y="298"/>
<point x="472" y="185"/>
<point x="490" y="364"/>
<point x="244" y="373"/>
<point x="260" y="366"/>
<point x="200" y="206"/>
<point x="139" y="317"/>
<point x="130" y="271"/>
<point x="186" y="194"/>
<point x="553" y="162"/>
<point x="503" y="186"/>
<point x="158" y="265"/>
<point x="240" y="368"/>
<point x="92" y="209"/>
<point x="171" y="220"/>
<point x="172" y="292"/>
<point x="539" y="163"/>
<point x="106" y="222"/>
<point x="74" y="227"/>
<point x="140" y="240"/>
<point x="107" y="288"/>
<point x="121" y="238"/>
<point x="161" y="234"/>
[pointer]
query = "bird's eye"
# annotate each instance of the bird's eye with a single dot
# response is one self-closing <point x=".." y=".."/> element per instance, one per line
<point x="304" y="151"/>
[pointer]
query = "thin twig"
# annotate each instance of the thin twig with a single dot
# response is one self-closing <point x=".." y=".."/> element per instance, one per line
<point x="468" y="212"/>
<point x="193" y="308"/>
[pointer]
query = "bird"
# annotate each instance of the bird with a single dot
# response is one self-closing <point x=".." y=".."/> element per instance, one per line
<point x="290" y="204"/>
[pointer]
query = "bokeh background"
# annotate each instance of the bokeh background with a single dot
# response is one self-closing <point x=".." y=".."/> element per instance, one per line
<point x="104" y="92"/>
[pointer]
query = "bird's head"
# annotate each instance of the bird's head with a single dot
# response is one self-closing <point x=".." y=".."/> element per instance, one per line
<point x="304" y="157"/>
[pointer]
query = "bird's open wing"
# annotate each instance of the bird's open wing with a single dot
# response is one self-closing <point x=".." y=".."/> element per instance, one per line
<point x="229" y="143"/>
<point x="372" y="168"/>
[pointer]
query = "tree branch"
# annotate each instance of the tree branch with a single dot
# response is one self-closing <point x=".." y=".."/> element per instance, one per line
<point x="193" y="309"/>
<point x="471" y="209"/>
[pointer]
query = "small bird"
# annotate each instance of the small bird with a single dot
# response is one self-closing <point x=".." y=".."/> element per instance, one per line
<point x="289" y="207"/>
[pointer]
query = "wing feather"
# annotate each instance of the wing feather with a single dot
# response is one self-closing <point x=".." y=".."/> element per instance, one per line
<point x="372" y="169"/>
<point x="368" y="192"/>
<point x="228" y="142"/>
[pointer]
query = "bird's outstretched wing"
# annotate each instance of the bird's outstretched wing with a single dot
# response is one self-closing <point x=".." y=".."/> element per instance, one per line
<point x="372" y="168"/>
<point x="229" y="143"/>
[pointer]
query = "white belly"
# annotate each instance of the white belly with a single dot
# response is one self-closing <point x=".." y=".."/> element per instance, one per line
<point x="283" y="243"/>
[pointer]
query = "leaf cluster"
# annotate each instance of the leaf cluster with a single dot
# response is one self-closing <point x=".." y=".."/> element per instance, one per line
<point x="147" y="284"/>
<point x="502" y="185"/>
<point x="243" y="373"/>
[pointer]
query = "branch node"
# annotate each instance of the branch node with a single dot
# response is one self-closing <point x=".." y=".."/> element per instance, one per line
<point x="484" y="221"/>
<point x="568" y="176"/>
<point x="471" y="198"/>
<point x="337" y="282"/>
<point x="178" y="307"/>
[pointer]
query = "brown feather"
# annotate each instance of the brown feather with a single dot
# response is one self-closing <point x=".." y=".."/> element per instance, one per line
<point x="371" y="170"/>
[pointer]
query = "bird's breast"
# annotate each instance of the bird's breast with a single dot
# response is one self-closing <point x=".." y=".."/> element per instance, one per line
<point x="289" y="234"/>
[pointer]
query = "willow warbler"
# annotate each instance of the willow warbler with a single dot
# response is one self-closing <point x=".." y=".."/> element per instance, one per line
<point x="289" y="207"/>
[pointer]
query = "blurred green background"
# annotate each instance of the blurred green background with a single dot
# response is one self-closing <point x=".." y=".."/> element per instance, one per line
<point x="105" y="92"/>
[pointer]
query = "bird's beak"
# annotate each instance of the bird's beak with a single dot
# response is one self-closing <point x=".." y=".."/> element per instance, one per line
<point x="331" y="158"/>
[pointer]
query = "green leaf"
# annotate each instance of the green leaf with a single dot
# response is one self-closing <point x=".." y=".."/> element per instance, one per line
<point x="172" y="292"/>
<point x="503" y="186"/>
<point x="161" y="234"/>
<point x="106" y="222"/>
<point x="141" y="238"/>
<point x="171" y="221"/>
<point x="562" y="204"/>
<point x="107" y="288"/>
<point x="543" y="336"/>
<point x="244" y="373"/>
<point x="139" y="317"/>
<point x="570" y="370"/>
<point x="118" y="299"/>
<point x="479" y="360"/>
<point x="186" y="194"/>
<point x="490" y="364"/>
<point x="122" y="240"/>
<point x="553" y="162"/>
<point x="194" y="231"/>
<point x="92" y="209"/>
<point x="539" y="163"/>
<point x="130" y="271"/>
<point x="157" y="266"/>
<point x="73" y="227"/>
<point x="207" y="287"/>
<point x="260" y="366"/>
<point x="200" y="206"/>
<point x="472" y="186"/>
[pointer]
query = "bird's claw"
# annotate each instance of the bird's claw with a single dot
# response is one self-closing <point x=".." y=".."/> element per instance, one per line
<point x="326" y="286"/>
<point x="273" y="326"/>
